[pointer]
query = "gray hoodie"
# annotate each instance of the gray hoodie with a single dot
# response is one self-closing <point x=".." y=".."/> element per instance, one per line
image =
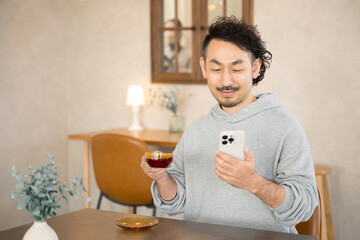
<point x="281" y="154"/>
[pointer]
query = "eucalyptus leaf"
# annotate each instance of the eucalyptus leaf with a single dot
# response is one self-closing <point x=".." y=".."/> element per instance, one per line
<point x="38" y="182"/>
<point x="13" y="171"/>
<point x="41" y="195"/>
<point x="30" y="208"/>
<point x="14" y="195"/>
<point x="49" y="156"/>
<point x="21" y="205"/>
<point x="36" y="212"/>
<point x="61" y="190"/>
<point x="23" y="197"/>
<point x="35" y="189"/>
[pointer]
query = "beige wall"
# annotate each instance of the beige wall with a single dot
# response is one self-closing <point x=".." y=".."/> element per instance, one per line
<point x="86" y="53"/>
<point x="33" y="95"/>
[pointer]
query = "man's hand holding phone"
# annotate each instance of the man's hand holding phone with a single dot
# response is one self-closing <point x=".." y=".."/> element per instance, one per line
<point x="228" y="164"/>
<point x="240" y="174"/>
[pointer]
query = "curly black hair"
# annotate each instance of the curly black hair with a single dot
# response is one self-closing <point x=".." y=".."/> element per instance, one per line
<point x="243" y="35"/>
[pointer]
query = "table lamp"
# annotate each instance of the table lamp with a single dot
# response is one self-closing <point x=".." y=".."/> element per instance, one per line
<point x="135" y="98"/>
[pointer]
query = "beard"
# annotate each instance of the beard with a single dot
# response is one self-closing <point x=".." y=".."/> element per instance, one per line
<point x="228" y="101"/>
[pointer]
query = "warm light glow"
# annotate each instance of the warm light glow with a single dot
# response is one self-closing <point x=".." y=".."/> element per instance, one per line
<point x="211" y="7"/>
<point x="135" y="96"/>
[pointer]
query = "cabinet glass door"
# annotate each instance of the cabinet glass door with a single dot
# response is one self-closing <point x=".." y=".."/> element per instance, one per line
<point x="177" y="52"/>
<point x="178" y="28"/>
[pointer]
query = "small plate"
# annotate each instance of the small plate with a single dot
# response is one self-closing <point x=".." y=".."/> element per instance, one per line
<point x="137" y="223"/>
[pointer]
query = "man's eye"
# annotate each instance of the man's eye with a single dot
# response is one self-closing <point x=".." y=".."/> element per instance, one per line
<point x="237" y="70"/>
<point x="216" y="70"/>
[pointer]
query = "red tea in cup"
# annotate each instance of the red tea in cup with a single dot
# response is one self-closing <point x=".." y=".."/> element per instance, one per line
<point x="158" y="159"/>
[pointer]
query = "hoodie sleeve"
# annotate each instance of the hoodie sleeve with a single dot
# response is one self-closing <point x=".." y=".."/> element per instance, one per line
<point x="176" y="171"/>
<point x="295" y="172"/>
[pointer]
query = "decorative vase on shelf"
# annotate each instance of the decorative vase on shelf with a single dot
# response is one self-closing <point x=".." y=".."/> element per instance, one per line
<point x="40" y="231"/>
<point x="175" y="124"/>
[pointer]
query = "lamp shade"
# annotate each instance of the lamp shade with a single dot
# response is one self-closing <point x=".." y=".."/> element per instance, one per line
<point x="135" y="96"/>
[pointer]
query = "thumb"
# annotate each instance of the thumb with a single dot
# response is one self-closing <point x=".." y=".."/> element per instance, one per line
<point x="248" y="155"/>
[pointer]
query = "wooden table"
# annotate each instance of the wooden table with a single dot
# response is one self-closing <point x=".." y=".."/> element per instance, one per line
<point x="91" y="224"/>
<point x="151" y="137"/>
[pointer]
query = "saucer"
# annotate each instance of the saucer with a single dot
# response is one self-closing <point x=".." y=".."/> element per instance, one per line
<point x="137" y="223"/>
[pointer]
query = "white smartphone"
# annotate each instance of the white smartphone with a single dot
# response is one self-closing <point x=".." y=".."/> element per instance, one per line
<point x="232" y="143"/>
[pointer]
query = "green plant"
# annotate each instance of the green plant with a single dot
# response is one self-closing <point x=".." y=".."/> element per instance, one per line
<point x="168" y="98"/>
<point x="40" y="191"/>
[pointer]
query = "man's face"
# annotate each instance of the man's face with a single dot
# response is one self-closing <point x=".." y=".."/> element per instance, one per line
<point x="229" y="72"/>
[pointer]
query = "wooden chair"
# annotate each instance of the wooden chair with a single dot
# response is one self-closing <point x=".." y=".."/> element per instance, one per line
<point x="116" y="161"/>
<point x="313" y="225"/>
<point x="327" y="228"/>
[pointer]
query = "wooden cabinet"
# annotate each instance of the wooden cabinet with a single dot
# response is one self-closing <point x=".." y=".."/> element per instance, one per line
<point x="178" y="28"/>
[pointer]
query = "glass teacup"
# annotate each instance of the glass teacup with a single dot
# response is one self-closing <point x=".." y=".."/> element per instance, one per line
<point x="158" y="159"/>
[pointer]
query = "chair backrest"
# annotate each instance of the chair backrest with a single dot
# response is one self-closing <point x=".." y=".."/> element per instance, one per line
<point x="313" y="225"/>
<point x="116" y="161"/>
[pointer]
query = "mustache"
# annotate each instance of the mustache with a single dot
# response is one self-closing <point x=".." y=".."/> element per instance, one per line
<point x="227" y="88"/>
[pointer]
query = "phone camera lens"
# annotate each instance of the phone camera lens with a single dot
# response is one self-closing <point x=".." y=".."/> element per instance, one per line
<point x="224" y="137"/>
<point x="231" y="139"/>
<point x="224" y="142"/>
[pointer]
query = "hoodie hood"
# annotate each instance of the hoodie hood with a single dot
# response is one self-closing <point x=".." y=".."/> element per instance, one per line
<point x="264" y="102"/>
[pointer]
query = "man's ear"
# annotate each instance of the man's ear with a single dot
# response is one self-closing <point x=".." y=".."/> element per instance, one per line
<point x="256" y="68"/>
<point x="203" y="67"/>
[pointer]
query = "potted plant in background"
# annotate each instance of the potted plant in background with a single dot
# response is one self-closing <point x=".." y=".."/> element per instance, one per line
<point x="170" y="99"/>
<point x="40" y="193"/>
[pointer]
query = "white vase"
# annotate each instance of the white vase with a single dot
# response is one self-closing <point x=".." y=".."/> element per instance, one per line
<point x="40" y="231"/>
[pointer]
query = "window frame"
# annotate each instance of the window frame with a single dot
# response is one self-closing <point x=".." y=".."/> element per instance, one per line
<point x="199" y="29"/>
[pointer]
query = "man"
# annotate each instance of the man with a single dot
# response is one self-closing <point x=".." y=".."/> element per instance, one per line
<point x="274" y="188"/>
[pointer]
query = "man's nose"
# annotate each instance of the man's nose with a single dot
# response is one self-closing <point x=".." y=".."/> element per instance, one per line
<point x="227" y="79"/>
